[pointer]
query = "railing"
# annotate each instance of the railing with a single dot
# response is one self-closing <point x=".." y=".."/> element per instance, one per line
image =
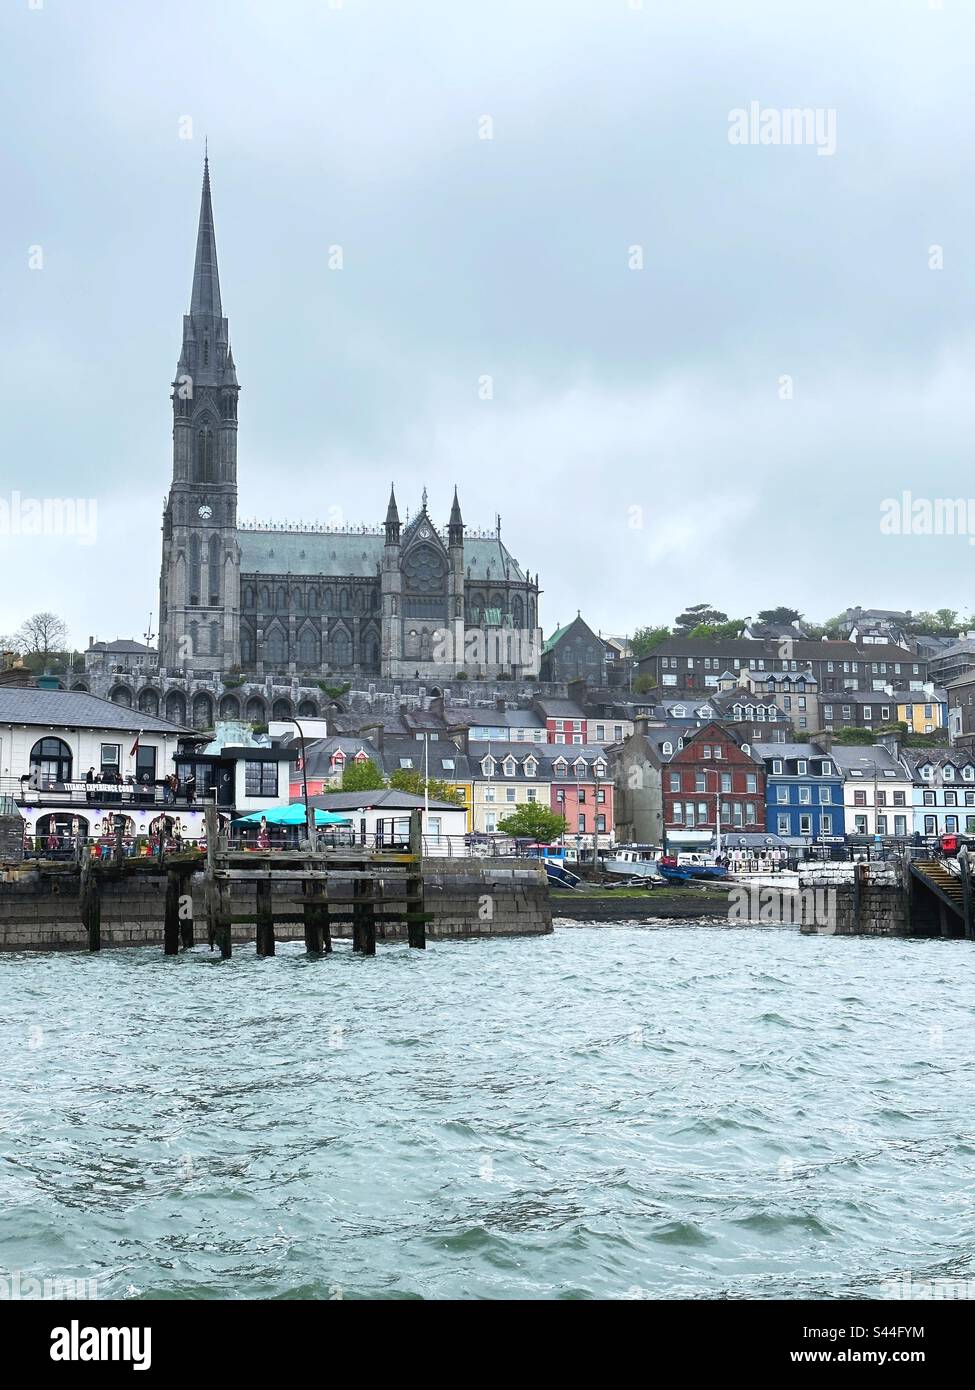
<point x="27" y="791"/>
<point x="63" y="846"/>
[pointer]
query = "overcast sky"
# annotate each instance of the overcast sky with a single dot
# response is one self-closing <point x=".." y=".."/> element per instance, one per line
<point x="637" y="444"/>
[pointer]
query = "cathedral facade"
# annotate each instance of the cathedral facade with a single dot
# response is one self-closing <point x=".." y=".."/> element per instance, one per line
<point x="397" y="600"/>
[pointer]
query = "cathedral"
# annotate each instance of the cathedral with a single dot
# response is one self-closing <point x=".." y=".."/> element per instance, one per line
<point x="397" y="600"/>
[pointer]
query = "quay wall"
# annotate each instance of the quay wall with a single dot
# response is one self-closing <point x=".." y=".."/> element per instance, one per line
<point x="39" y="909"/>
<point x="867" y="899"/>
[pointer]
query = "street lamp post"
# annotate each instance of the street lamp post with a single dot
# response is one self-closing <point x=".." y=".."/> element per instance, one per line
<point x="717" y="808"/>
<point x="309" y="817"/>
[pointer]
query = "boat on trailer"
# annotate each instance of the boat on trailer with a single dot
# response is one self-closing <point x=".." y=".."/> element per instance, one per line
<point x="635" y="861"/>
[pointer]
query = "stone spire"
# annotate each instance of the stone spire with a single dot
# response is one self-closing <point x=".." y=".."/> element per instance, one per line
<point x="455" y="527"/>
<point x="392" y="518"/>
<point x="206" y="278"/>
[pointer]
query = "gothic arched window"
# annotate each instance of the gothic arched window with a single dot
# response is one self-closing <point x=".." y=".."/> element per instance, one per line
<point x="213" y="568"/>
<point x="214" y="639"/>
<point x="194" y="569"/>
<point x="308" y="647"/>
<point x="204" y="454"/>
<point x="275" y="647"/>
<point x="341" y="648"/>
<point x="246" y="646"/>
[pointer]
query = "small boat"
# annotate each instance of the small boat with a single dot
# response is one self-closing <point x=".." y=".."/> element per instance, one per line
<point x="688" y="867"/>
<point x="634" y="861"/>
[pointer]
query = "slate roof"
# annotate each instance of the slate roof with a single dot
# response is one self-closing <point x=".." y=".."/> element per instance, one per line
<point x="807" y="650"/>
<point x="790" y="750"/>
<point x="858" y="757"/>
<point x="76" y="709"/>
<point x="388" y="799"/>
<point x="122" y="644"/>
<point x="356" y="554"/>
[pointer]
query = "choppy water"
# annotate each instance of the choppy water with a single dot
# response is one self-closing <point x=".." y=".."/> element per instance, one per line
<point x="610" y="1112"/>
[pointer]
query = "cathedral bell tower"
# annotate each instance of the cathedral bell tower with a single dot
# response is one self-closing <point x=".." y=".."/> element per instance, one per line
<point x="199" y="587"/>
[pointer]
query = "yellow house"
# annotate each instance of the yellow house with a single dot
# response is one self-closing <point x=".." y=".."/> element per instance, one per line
<point x="926" y="714"/>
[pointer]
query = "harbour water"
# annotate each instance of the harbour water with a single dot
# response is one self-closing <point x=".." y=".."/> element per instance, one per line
<point x="624" y="1111"/>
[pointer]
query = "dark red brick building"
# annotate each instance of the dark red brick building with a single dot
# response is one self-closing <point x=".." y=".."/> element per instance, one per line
<point x="715" y="764"/>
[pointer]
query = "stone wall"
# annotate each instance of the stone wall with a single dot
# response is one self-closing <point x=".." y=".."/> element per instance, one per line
<point x="11" y="837"/>
<point x="865" y="899"/>
<point x="39" y="910"/>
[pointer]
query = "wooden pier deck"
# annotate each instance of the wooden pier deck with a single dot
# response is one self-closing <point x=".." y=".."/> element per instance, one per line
<point x="374" y="887"/>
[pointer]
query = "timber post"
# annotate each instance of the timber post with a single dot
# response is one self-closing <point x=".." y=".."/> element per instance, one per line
<point x="186" y="920"/>
<point x="90" y="901"/>
<point x="416" y="927"/>
<point x="265" y="917"/>
<point x="171" y="921"/>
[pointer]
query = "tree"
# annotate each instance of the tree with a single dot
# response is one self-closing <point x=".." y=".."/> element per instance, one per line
<point x="43" y="634"/>
<point x="695" y="616"/>
<point x="779" y="615"/>
<point x="534" y="821"/>
<point x="718" y="631"/>
<point x="645" y="639"/>
<point x="362" y="777"/>
<point x="642" y="685"/>
<point x="408" y="779"/>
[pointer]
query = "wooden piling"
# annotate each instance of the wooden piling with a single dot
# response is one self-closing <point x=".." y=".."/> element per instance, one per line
<point x="315" y="915"/>
<point x="358" y="916"/>
<point x="416" y="930"/>
<point x="186" y="899"/>
<point x="265" y="918"/>
<point x="171" y="920"/>
<point x="89" y="898"/>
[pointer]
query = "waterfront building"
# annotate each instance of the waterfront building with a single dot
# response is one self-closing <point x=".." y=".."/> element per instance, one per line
<point x="638" y="766"/>
<point x="51" y="739"/>
<point x="565" y="721"/>
<point x="413" y="599"/>
<point x="924" y="711"/>
<point x="714" y="767"/>
<point x="878" y="792"/>
<point x="504" y="776"/>
<point x="943" y="787"/>
<point x="803" y="792"/>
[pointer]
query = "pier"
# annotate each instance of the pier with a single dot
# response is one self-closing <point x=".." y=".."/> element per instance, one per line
<point x="366" y="886"/>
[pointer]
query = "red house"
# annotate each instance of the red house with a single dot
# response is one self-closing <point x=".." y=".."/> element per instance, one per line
<point x="715" y="766"/>
<point x="582" y="792"/>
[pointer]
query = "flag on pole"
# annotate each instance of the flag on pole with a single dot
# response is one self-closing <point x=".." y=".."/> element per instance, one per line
<point x="135" y="747"/>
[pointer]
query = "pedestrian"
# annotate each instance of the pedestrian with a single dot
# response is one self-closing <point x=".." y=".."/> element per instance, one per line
<point x="189" y="786"/>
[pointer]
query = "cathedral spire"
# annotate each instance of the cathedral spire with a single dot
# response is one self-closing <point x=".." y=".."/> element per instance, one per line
<point x="206" y="279"/>
<point x="392" y="518"/>
<point x="455" y="526"/>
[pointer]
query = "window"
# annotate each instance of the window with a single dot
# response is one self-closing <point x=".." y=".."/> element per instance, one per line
<point x="801" y="766"/>
<point x="782" y="796"/>
<point x="826" y="823"/>
<point x="859" y="825"/>
<point x="511" y="793"/>
<point x="489" y="794"/>
<point x="447" y="764"/>
<point x="700" y="782"/>
<point x="881" y="798"/>
<point x="406" y="762"/>
<point x="776" y="765"/>
<point x="726" y="781"/>
<point x="805" y="796"/>
<point x="899" y="799"/>
<point x="783" y="826"/>
<point x="951" y="798"/>
<point x="951" y="825"/>
<point x="50" y="761"/>
<point x="260" y="779"/>
<point x="532" y="793"/>
<point x="582" y="825"/>
<point x="825" y="796"/>
<point x="881" y="825"/>
<point x="930" y="825"/>
<point x="751" y="782"/>
<point x="110" y="758"/>
<point x="805" y="824"/>
<point x="678" y="811"/>
<point x="582" y="796"/>
<point x="750" y="813"/>
<point x="675" y="781"/>
<point x="900" y="825"/>
<point x="859" y="798"/>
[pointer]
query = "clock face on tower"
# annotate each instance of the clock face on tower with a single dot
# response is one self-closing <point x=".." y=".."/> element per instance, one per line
<point x="204" y="512"/>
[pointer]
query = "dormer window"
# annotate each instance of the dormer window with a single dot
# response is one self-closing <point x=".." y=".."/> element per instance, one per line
<point x="510" y="767"/>
<point x="968" y="772"/>
<point x="948" y="772"/>
<point x="487" y="767"/>
<point x="667" y="749"/>
<point x="531" y="767"/>
<point x="776" y="766"/>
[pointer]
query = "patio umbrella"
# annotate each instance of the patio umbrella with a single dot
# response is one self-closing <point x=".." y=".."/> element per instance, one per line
<point x="292" y="815"/>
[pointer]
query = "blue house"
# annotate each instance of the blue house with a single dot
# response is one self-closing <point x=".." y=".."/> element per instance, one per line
<point x="803" y="791"/>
